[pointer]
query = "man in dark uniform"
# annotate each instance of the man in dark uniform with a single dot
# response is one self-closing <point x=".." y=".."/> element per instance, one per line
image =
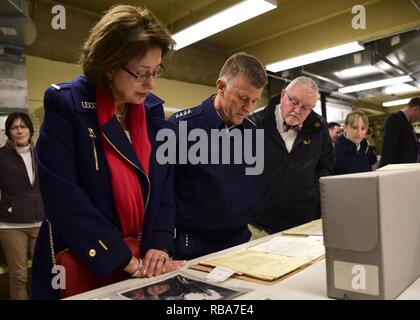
<point x="400" y="143"/>
<point x="298" y="151"/>
<point x="213" y="200"/>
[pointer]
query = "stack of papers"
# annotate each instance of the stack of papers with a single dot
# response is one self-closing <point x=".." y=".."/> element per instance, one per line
<point x="272" y="259"/>
<point x="257" y="264"/>
<point x="313" y="228"/>
<point x="310" y="248"/>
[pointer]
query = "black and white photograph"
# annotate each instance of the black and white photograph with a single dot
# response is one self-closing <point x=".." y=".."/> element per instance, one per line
<point x="180" y="287"/>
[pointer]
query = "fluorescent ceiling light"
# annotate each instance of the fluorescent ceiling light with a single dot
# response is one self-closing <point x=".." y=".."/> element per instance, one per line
<point x="313" y="75"/>
<point x="383" y="65"/>
<point x="225" y="19"/>
<point x="375" y="84"/>
<point x="342" y="96"/>
<point x="395" y="102"/>
<point x="400" y="88"/>
<point x="315" y="56"/>
<point x="386" y="66"/>
<point x="356" y="72"/>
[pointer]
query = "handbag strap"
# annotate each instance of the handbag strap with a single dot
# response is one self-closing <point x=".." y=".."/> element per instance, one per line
<point x="51" y="243"/>
<point x="50" y="232"/>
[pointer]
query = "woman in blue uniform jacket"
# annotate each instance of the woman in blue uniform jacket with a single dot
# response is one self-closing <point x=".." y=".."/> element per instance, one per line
<point x="99" y="176"/>
<point x="352" y="149"/>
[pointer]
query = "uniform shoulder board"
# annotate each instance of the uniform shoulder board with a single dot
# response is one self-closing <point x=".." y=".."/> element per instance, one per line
<point x="60" y="86"/>
<point x="186" y="114"/>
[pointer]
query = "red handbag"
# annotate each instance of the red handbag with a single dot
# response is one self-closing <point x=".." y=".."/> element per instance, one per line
<point x="79" y="278"/>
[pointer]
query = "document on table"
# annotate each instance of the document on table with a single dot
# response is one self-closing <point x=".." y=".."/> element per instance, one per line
<point x="299" y="247"/>
<point x="311" y="228"/>
<point x="257" y="264"/>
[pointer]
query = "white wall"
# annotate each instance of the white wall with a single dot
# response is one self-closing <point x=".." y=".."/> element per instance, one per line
<point x="335" y="112"/>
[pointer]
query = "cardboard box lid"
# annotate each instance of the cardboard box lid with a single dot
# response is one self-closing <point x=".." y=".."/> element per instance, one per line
<point x="401" y="166"/>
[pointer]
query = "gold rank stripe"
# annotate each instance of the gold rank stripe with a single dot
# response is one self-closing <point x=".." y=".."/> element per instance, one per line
<point x="103" y="245"/>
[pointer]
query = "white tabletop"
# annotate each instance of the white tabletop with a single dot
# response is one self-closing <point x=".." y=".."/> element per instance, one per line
<point x="308" y="284"/>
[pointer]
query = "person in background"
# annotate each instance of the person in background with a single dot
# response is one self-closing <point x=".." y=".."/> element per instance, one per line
<point x="21" y="209"/>
<point x="335" y="131"/>
<point x="400" y="143"/>
<point x="99" y="176"/>
<point x="370" y="137"/>
<point x="214" y="200"/>
<point x="352" y="150"/>
<point x="297" y="152"/>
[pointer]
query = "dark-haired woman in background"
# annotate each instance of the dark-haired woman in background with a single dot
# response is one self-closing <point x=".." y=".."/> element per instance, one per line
<point x="21" y="210"/>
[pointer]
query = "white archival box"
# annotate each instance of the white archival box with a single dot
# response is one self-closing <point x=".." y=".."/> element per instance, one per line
<point x="371" y="224"/>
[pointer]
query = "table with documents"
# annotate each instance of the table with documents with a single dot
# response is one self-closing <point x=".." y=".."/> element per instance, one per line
<point x="271" y="260"/>
<point x="271" y="268"/>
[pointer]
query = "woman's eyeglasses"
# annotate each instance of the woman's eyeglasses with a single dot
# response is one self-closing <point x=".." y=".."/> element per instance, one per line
<point x="142" y="77"/>
<point x="21" y="126"/>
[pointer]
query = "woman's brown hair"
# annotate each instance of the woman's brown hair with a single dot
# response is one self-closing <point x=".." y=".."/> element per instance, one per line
<point x="124" y="32"/>
<point x="25" y="119"/>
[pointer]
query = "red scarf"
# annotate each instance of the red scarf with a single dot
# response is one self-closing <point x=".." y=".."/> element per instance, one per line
<point x="126" y="187"/>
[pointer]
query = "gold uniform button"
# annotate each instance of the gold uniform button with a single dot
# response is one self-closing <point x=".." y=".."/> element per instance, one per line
<point x="92" y="252"/>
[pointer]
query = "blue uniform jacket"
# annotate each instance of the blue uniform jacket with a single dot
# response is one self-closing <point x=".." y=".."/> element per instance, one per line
<point x="213" y="201"/>
<point x="76" y="185"/>
<point x="349" y="160"/>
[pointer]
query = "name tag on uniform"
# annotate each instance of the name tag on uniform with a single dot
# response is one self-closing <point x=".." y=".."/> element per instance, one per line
<point x="88" y="105"/>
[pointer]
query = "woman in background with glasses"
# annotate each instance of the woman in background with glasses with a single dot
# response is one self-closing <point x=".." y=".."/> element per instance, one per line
<point x="21" y="210"/>
<point x="100" y="180"/>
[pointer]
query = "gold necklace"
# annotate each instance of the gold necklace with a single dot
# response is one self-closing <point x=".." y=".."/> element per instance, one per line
<point x="121" y="116"/>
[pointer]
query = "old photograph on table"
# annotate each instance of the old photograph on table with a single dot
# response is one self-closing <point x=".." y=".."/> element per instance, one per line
<point x="181" y="287"/>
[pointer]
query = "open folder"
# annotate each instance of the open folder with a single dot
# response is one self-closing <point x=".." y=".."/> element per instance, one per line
<point x="272" y="259"/>
<point x="313" y="228"/>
